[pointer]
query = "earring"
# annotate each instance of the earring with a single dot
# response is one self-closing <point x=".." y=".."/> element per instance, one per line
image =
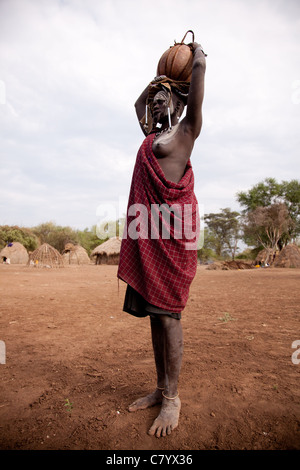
<point x="169" y="118"/>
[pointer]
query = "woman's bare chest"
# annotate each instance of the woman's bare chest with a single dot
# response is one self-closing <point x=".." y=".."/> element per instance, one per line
<point x="171" y="153"/>
<point x="165" y="143"/>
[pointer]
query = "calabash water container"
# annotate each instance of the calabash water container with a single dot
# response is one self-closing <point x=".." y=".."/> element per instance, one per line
<point x="176" y="63"/>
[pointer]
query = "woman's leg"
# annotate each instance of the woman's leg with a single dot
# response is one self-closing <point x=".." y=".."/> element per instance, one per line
<point x="168" y="417"/>
<point x="158" y="341"/>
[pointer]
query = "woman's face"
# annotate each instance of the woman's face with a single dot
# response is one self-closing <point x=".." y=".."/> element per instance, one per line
<point x="160" y="106"/>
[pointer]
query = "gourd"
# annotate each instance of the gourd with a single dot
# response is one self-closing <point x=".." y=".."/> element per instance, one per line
<point x="176" y="62"/>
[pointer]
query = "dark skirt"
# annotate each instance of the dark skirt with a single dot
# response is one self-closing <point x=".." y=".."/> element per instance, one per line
<point x="136" y="305"/>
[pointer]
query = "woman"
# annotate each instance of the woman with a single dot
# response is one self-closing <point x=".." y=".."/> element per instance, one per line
<point x="159" y="271"/>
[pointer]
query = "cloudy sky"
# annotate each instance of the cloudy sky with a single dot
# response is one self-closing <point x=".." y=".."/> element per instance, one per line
<point x="71" y="71"/>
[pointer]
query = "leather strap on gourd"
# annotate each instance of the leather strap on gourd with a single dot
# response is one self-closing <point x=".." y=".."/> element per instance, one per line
<point x="180" y="43"/>
<point x="189" y="31"/>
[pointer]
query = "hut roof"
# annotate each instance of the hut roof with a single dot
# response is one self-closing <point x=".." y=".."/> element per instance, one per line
<point x="16" y="252"/>
<point x="75" y="254"/>
<point x="261" y="255"/>
<point x="69" y="247"/>
<point x="46" y="256"/>
<point x="289" y="257"/>
<point x="110" y="247"/>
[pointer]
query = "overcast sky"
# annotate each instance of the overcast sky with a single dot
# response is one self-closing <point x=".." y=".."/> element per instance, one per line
<point x="71" y="70"/>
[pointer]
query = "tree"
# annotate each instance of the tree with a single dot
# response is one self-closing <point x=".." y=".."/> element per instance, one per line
<point x="88" y="238"/>
<point x="263" y="194"/>
<point x="290" y="192"/>
<point x="266" y="225"/>
<point x="207" y="252"/>
<point x="17" y="234"/>
<point x="225" y="227"/>
<point x="269" y="192"/>
<point x="56" y="235"/>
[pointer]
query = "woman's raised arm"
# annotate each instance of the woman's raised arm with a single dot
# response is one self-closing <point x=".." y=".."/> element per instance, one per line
<point x="193" y="119"/>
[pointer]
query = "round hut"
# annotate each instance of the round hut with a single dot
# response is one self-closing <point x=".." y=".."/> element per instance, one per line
<point x="46" y="257"/>
<point x="289" y="257"/>
<point x="75" y="254"/>
<point x="108" y="252"/>
<point x="14" y="253"/>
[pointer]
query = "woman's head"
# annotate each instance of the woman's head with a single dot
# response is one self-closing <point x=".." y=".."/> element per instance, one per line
<point x="163" y="100"/>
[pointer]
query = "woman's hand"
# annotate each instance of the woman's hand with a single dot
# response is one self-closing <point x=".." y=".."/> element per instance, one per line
<point x="195" y="45"/>
<point x="158" y="78"/>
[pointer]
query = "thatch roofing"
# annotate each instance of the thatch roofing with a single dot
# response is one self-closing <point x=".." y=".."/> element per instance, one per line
<point x="46" y="256"/>
<point x="261" y="256"/>
<point x="75" y="254"/>
<point x="16" y="253"/>
<point x="289" y="257"/>
<point x="110" y="247"/>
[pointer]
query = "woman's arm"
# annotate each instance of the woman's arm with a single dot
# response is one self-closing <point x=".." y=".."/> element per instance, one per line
<point x="193" y="119"/>
<point x="140" y="108"/>
<point x="140" y="104"/>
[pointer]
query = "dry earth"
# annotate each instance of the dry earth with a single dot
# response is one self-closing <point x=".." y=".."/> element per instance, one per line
<point x="75" y="361"/>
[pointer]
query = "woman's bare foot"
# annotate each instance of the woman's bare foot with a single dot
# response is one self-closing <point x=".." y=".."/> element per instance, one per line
<point x="167" y="419"/>
<point x="145" y="402"/>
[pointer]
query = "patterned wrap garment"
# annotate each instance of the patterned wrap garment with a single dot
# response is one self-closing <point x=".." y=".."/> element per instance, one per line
<point x="158" y="256"/>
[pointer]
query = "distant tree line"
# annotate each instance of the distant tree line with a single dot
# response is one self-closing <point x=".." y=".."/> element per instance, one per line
<point x="48" y="232"/>
<point x="269" y="219"/>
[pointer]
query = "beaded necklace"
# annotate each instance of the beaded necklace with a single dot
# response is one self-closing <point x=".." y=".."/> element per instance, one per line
<point x="167" y="129"/>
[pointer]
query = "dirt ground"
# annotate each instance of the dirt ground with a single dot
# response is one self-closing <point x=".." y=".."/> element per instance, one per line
<point x="75" y="361"/>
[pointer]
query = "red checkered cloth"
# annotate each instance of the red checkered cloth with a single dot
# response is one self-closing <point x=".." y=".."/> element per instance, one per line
<point x="158" y="266"/>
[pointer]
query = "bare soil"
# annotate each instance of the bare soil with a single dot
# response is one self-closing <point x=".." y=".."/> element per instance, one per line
<point x="75" y="361"/>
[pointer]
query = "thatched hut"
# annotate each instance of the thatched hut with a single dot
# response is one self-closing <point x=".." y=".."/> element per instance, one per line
<point x="14" y="253"/>
<point x="289" y="257"/>
<point x="260" y="257"/>
<point x="75" y="254"/>
<point x="266" y="256"/>
<point x="46" y="257"/>
<point x="108" y="252"/>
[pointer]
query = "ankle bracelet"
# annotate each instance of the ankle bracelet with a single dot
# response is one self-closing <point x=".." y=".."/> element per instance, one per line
<point x="159" y="388"/>
<point x="169" y="398"/>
